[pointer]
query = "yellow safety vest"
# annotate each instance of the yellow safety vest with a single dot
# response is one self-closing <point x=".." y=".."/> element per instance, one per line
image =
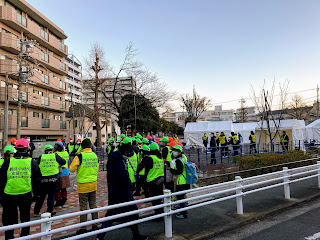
<point x="205" y="138"/>
<point x="49" y="165"/>
<point x="132" y="167"/>
<point x="234" y="140"/>
<point x="88" y="169"/>
<point x="222" y="139"/>
<point x="157" y="170"/>
<point x="253" y="138"/>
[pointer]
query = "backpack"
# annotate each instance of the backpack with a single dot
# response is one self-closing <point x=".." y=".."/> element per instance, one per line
<point x="192" y="172"/>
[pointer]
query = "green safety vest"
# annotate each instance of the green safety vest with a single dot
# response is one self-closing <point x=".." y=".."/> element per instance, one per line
<point x="143" y="171"/>
<point x="78" y="149"/>
<point x="109" y="149"/>
<point x="1" y="162"/>
<point x="132" y="167"/>
<point x="65" y="156"/>
<point x="222" y="139"/>
<point x="18" y="176"/>
<point x="182" y="178"/>
<point x="253" y="138"/>
<point x="70" y="147"/>
<point x="49" y="165"/>
<point x="169" y="158"/>
<point x="157" y="170"/>
<point x="88" y="169"/>
<point x="234" y="139"/>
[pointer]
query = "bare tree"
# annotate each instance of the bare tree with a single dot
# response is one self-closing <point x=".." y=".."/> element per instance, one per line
<point x="195" y="105"/>
<point x="298" y="107"/>
<point x="264" y="102"/>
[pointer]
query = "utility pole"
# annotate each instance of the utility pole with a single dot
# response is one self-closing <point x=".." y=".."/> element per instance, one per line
<point x="6" y="109"/>
<point x="317" y="101"/>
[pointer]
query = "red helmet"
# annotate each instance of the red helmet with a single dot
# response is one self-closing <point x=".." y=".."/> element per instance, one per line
<point x="71" y="138"/>
<point x="12" y="140"/>
<point x="59" y="140"/>
<point x="22" y="143"/>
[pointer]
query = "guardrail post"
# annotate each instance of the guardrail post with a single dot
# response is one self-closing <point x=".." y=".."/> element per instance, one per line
<point x="318" y="163"/>
<point x="287" y="181"/>
<point x="239" y="198"/>
<point x="167" y="219"/>
<point x="46" y="226"/>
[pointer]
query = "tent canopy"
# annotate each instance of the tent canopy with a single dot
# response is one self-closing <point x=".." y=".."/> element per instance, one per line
<point x="245" y="130"/>
<point x="313" y="131"/>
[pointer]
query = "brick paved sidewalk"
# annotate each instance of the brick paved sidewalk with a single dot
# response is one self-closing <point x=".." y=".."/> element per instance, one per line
<point x="72" y="205"/>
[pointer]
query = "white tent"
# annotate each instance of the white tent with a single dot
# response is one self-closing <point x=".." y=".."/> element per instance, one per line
<point x="194" y="131"/>
<point x="292" y="127"/>
<point x="313" y="131"/>
<point x="245" y="129"/>
<point x="303" y="125"/>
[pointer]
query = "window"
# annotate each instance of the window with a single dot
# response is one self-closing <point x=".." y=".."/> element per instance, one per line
<point x="38" y="115"/>
<point x="24" y="96"/>
<point x="103" y="135"/>
<point x="62" y="66"/>
<point x="75" y="123"/>
<point x="62" y="85"/>
<point x="45" y="78"/>
<point x="63" y="125"/>
<point x="62" y="46"/>
<point x="21" y="19"/>
<point x="45" y="123"/>
<point x="38" y="92"/>
<point x="44" y="56"/>
<point x="24" y="122"/>
<point x="89" y="134"/>
<point x="57" y="97"/>
<point x="45" y="101"/>
<point x="44" y="34"/>
<point x="94" y="127"/>
<point x="10" y="111"/>
<point x="56" y="117"/>
<point x="62" y="105"/>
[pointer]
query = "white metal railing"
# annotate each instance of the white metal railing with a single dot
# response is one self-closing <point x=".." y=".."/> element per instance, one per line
<point x="237" y="189"/>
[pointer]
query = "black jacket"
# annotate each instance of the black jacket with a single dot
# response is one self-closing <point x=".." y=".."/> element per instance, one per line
<point x="213" y="142"/>
<point x="119" y="184"/>
<point x="35" y="173"/>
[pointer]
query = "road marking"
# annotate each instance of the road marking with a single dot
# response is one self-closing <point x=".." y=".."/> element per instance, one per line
<point x="313" y="237"/>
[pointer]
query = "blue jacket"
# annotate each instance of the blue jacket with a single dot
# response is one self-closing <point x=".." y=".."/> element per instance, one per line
<point x="119" y="184"/>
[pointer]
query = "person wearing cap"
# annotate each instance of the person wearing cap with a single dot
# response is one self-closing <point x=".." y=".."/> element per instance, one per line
<point x="8" y="152"/>
<point x="145" y="141"/>
<point x="217" y="140"/>
<point x="141" y="183"/>
<point x="223" y="143"/>
<point x="132" y="162"/>
<point x="166" y="155"/>
<point x="135" y="146"/>
<point x="19" y="177"/>
<point x="77" y="147"/>
<point x="13" y="143"/>
<point x="71" y="149"/>
<point x="49" y="164"/>
<point x="120" y="188"/>
<point x="118" y="143"/>
<point x="154" y="172"/>
<point x="178" y="169"/>
<point x="111" y="147"/>
<point x="87" y="166"/>
<point x="63" y="177"/>
<point x="139" y="136"/>
<point x="122" y="136"/>
<point x="31" y="147"/>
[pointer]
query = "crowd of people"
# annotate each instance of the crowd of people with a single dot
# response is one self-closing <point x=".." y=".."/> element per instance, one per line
<point x="135" y="166"/>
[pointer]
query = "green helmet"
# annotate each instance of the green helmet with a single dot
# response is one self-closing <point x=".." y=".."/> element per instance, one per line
<point x="145" y="148"/>
<point x="111" y="139"/>
<point x="145" y="141"/>
<point x="177" y="147"/>
<point x="165" y="139"/>
<point x="123" y="135"/>
<point x="154" y="146"/>
<point x="89" y="138"/>
<point x="138" y="140"/>
<point x="133" y="139"/>
<point x="118" y="140"/>
<point x="9" y="148"/>
<point x="48" y="147"/>
<point x="127" y="140"/>
<point x="139" y="136"/>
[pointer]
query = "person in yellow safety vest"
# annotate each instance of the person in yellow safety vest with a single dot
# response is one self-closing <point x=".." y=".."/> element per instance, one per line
<point x="145" y="141"/>
<point x="19" y="177"/>
<point x="122" y="136"/>
<point x="235" y="143"/>
<point x="77" y="147"/>
<point x="223" y="144"/>
<point x="217" y="140"/>
<point x="178" y="169"/>
<point x="253" y="142"/>
<point x="49" y="164"/>
<point x="166" y="155"/>
<point x="144" y="152"/>
<point x="132" y="163"/>
<point x="285" y="141"/>
<point x="139" y="142"/>
<point x="154" y="166"/>
<point x="63" y="177"/>
<point x="111" y="147"/>
<point x="205" y="140"/>
<point x="87" y="166"/>
<point x="139" y="136"/>
<point x="118" y="143"/>
<point x="7" y="154"/>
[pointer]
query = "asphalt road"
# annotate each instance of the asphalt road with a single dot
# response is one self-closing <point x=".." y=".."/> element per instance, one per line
<point x="299" y="223"/>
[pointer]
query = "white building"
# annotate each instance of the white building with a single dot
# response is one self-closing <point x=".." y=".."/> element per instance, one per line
<point x="74" y="79"/>
<point x="218" y="114"/>
<point x="249" y="112"/>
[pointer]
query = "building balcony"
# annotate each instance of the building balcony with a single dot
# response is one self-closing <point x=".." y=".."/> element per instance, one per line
<point x="47" y="82"/>
<point x="10" y="42"/>
<point x="10" y="17"/>
<point x="49" y="61"/>
<point x="9" y="67"/>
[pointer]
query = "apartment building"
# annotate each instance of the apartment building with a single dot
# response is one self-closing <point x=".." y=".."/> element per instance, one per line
<point x="247" y="114"/>
<point x="218" y="114"/>
<point x="43" y="94"/>
<point x="74" y="78"/>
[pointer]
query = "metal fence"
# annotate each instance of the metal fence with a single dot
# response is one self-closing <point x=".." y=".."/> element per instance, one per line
<point x="208" y="195"/>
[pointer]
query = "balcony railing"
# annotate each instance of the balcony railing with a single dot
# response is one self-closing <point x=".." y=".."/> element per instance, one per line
<point x="45" y="78"/>
<point x="62" y="46"/>
<point x="62" y="66"/>
<point x="62" y="105"/>
<point x="44" y="35"/>
<point x="45" y="123"/>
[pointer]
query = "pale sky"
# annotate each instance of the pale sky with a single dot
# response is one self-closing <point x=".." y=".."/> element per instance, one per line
<point x="221" y="47"/>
